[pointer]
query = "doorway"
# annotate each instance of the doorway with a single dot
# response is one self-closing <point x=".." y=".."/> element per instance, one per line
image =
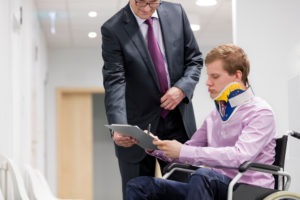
<point x="86" y="163"/>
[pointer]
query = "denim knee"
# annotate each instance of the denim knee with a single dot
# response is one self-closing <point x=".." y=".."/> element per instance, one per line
<point x="139" y="182"/>
<point x="210" y="175"/>
<point x="203" y="172"/>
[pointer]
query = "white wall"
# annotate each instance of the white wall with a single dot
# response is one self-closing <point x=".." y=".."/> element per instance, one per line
<point x="293" y="163"/>
<point x="5" y="79"/>
<point x="22" y="80"/>
<point x="269" y="32"/>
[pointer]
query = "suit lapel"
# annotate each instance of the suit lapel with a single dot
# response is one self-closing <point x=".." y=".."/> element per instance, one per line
<point x="133" y="31"/>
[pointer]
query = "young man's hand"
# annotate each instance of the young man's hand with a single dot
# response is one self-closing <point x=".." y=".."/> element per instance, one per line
<point x="171" y="148"/>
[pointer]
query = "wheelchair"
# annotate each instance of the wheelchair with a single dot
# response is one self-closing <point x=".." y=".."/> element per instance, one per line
<point x="242" y="191"/>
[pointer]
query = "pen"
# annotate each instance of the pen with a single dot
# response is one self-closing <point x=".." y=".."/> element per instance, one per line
<point x="148" y="130"/>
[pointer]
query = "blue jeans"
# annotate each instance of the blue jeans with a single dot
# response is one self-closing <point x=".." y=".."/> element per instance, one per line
<point x="204" y="184"/>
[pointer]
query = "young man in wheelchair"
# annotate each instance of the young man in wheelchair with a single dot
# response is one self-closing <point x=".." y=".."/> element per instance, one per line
<point x="241" y="128"/>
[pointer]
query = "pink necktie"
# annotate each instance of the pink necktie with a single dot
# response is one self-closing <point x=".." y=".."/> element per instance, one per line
<point x="158" y="60"/>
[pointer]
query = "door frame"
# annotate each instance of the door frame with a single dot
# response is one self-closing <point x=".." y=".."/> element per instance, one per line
<point x="61" y="93"/>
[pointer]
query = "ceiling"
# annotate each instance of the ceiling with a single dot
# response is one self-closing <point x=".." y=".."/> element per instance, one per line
<point x="72" y="23"/>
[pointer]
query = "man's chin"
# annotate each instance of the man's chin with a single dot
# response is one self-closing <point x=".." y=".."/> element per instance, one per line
<point x="144" y="15"/>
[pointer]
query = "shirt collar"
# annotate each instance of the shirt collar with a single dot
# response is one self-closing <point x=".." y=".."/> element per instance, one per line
<point x="140" y="20"/>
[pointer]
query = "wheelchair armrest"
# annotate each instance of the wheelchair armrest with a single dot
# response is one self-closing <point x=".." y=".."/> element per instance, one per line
<point x="250" y="165"/>
<point x="171" y="166"/>
<point x="271" y="169"/>
<point x="178" y="171"/>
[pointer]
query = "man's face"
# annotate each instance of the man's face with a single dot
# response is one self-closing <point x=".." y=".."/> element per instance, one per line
<point x="144" y="12"/>
<point x="218" y="78"/>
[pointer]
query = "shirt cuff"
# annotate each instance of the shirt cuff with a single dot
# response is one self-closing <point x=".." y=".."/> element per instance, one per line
<point x="187" y="154"/>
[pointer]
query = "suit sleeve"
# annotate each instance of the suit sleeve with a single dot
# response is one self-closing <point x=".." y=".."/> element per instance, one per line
<point x="193" y="61"/>
<point x="113" y="78"/>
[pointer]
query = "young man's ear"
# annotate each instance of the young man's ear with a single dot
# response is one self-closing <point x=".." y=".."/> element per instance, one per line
<point x="239" y="75"/>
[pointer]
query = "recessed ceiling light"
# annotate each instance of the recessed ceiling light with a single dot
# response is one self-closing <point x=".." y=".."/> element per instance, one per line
<point x="52" y="16"/>
<point x="206" y="2"/>
<point x="92" y="14"/>
<point x="195" y="27"/>
<point x="92" y="34"/>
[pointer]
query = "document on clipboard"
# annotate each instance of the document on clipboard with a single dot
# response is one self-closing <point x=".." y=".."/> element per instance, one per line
<point x="144" y="139"/>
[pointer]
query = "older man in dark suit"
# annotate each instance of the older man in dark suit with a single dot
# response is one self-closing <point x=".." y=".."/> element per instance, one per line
<point x="152" y="64"/>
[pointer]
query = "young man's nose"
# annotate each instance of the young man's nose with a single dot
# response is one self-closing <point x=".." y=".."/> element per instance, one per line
<point x="208" y="82"/>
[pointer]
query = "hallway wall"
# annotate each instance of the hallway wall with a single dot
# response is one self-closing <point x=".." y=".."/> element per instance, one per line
<point x="5" y="79"/>
<point x="269" y="32"/>
<point x="23" y="61"/>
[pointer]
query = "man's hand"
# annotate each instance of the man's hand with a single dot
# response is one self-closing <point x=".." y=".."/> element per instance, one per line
<point x="171" y="148"/>
<point x="172" y="98"/>
<point x="122" y="140"/>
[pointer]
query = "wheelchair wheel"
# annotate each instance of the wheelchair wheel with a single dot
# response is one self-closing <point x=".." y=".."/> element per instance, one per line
<point x="286" y="195"/>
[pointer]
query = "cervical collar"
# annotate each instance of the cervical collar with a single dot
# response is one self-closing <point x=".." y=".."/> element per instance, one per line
<point x="233" y="96"/>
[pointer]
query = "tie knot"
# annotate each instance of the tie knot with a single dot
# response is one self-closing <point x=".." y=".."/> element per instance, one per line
<point x="149" y="21"/>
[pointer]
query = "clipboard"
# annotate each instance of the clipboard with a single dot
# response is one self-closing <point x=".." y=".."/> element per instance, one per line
<point x="144" y="139"/>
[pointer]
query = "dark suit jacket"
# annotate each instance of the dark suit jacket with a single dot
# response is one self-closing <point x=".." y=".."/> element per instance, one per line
<point x="132" y="93"/>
